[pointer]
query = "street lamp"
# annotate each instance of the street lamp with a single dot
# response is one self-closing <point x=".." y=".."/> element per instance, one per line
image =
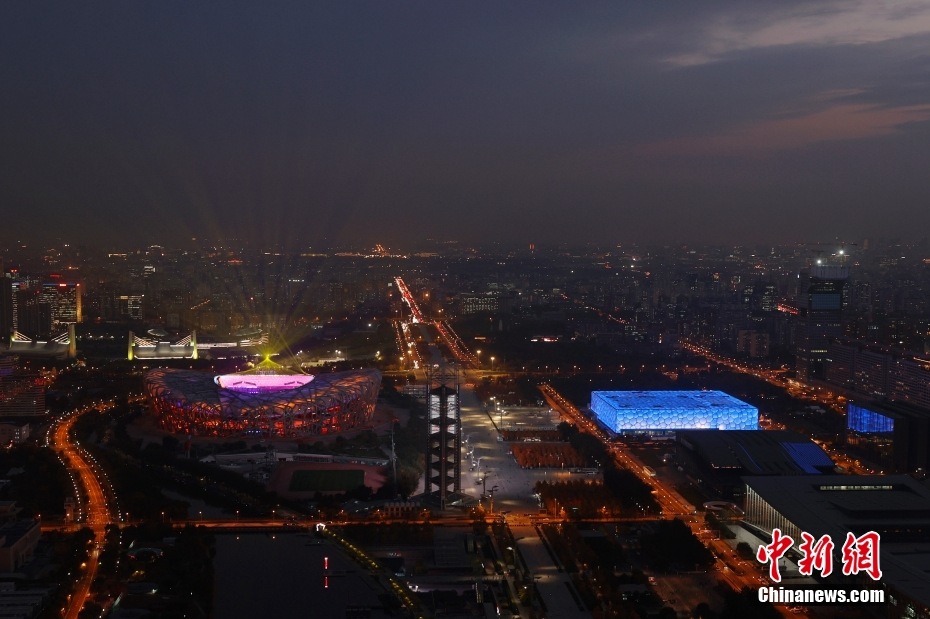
<point x="492" y="364"/>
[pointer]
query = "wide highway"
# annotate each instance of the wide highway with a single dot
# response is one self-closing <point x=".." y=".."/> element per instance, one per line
<point x="95" y="509"/>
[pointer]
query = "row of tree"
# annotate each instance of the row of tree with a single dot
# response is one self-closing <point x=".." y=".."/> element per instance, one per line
<point x="623" y="484"/>
<point x="581" y="499"/>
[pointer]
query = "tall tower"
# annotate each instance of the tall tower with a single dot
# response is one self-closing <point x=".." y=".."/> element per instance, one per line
<point x="444" y="435"/>
<point x="6" y="308"/>
<point x="821" y="299"/>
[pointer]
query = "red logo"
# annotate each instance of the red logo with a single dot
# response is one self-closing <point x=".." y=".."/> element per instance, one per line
<point x="859" y="554"/>
<point x="773" y="552"/>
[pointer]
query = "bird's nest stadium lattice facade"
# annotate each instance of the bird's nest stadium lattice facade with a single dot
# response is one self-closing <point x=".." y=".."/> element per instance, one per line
<point x="267" y="401"/>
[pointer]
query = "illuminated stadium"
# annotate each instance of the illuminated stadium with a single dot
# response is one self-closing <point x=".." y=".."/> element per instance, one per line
<point x="268" y="400"/>
<point x="631" y="412"/>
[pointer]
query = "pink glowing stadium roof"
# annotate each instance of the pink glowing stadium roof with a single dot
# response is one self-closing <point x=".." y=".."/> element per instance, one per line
<point x="262" y="383"/>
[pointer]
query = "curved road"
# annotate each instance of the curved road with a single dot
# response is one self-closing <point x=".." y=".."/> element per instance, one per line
<point x="95" y="509"/>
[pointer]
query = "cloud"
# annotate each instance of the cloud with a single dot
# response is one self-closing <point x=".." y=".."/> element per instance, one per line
<point x="813" y="25"/>
<point x="837" y="122"/>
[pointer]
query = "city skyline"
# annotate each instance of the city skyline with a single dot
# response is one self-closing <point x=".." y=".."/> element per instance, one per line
<point x="343" y="123"/>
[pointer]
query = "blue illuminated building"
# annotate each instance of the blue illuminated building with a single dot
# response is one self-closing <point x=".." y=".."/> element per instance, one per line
<point x="630" y="412"/>
<point x="862" y="419"/>
<point x="893" y="436"/>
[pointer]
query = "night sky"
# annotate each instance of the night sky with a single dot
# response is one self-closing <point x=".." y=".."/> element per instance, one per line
<point x="359" y="122"/>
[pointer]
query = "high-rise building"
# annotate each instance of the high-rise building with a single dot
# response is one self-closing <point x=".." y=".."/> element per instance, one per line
<point x="879" y="372"/>
<point x="129" y="306"/>
<point x="33" y="316"/>
<point x="768" y="298"/>
<point x="6" y="308"/>
<point x="21" y="393"/>
<point x="820" y="303"/>
<point x="754" y="344"/>
<point x="64" y="299"/>
<point x="910" y="380"/>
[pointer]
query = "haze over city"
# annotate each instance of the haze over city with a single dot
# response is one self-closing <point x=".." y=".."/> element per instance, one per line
<point x="343" y="122"/>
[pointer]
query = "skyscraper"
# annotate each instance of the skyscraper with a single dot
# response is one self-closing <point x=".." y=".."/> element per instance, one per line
<point x="64" y="299"/>
<point x="821" y="300"/>
<point x="33" y="315"/>
<point x="6" y="308"/>
<point x="21" y="393"/>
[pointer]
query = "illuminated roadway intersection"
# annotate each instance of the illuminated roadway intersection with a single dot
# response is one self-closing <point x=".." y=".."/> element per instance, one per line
<point x="95" y="509"/>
